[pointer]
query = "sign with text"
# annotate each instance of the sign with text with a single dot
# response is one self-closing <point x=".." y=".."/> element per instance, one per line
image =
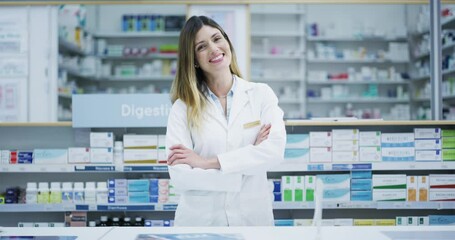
<point x="120" y="110"/>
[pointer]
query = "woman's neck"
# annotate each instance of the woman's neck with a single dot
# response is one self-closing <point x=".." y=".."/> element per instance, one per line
<point x="220" y="84"/>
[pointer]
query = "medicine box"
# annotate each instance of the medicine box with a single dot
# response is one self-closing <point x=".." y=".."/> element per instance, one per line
<point x="132" y="156"/>
<point x="320" y="139"/>
<point x="389" y="181"/>
<point x="370" y="154"/>
<point x="428" y="144"/>
<point x="402" y="140"/>
<point x="448" y="142"/>
<point x="425" y="133"/>
<point x="346" y="156"/>
<point x="398" y="154"/>
<point x="321" y="154"/>
<point x="101" y="155"/>
<point x="101" y="139"/>
<point x="78" y="155"/>
<point x="50" y="156"/>
<point x="345" y="134"/>
<point x="345" y="145"/>
<point x="132" y="141"/>
<point x="389" y="194"/>
<point x="297" y="141"/>
<point x="297" y="155"/>
<point x="423" y="186"/>
<point x="369" y="139"/>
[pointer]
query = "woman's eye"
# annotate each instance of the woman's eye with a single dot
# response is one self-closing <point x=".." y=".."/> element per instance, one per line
<point x="217" y="39"/>
<point x="200" y="47"/>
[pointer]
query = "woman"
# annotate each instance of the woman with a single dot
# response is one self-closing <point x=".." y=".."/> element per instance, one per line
<point x="223" y="134"/>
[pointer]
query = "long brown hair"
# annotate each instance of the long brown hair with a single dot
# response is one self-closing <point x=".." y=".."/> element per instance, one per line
<point x="189" y="84"/>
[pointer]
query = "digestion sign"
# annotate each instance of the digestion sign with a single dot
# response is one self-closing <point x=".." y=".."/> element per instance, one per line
<point x="120" y="110"/>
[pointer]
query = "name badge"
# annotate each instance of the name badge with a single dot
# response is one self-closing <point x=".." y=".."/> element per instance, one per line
<point x="252" y="124"/>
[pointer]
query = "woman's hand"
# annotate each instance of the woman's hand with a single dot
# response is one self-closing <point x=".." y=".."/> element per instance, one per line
<point x="179" y="154"/>
<point x="263" y="133"/>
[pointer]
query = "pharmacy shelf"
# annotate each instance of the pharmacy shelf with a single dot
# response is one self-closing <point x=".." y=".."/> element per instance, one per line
<point x="447" y="22"/>
<point x="355" y="39"/>
<point x="173" y="206"/>
<point x="277" y="56"/>
<point x="277" y="34"/>
<point x="147" y="57"/>
<point x="444" y="48"/>
<point x="285" y="167"/>
<point x="76" y="73"/>
<point x="359" y="100"/>
<point x="135" y="34"/>
<point x="38" y="168"/>
<point x="276" y="79"/>
<point x="345" y="82"/>
<point x="136" y="78"/>
<point x="69" y="47"/>
<point x="363" y="61"/>
<point x="365" y="205"/>
<point x="376" y="166"/>
<point x="87" y="207"/>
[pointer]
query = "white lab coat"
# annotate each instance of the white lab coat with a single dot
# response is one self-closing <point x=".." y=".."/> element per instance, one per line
<point x="238" y="194"/>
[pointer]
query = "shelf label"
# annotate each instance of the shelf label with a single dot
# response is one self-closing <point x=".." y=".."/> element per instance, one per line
<point x="145" y="168"/>
<point x="120" y="110"/>
<point x="170" y="207"/>
<point x="81" y="207"/>
<point x="315" y="167"/>
<point x="361" y="166"/>
<point x="150" y="207"/>
<point x="108" y="168"/>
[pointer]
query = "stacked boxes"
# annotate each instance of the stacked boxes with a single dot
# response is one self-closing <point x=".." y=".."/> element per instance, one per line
<point x="442" y="187"/>
<point x="101" y="147"/>
<point x="389" y="187"/>
<point x="370" y="146"/>
<point x="336" y="187"/>
<point x="345" y="145"/>
<point x="294" y="188"/>
<point x="297" y="148"/>
<point x="140" y="149"/>
<point x="423" y="186"/>
<point x="427" y="144"/>
<point x="448" y="145"/>
<point x="397" y="147"/>
<point x="138" y="190"/>
<point x="411" y="188"/>
<point x="276" y="189"/>
<point x="117" y="191"/>
<point x="321" y="147"/>
<point x="162" y="157"/>
<point x="361" y="185"/>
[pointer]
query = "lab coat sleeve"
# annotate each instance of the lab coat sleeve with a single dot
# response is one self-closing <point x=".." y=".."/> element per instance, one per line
<point x="250" y="159"/>
<point x="183" y="176"/>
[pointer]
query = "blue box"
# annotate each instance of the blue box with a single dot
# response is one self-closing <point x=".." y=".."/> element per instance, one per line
<point x="138" y="185"/>
<point x="112" y="192"/>
<point x="284" y="222"/>
<point x="277" y="196"/>
<point x="361" y="195"/>
<point x="361" y="174"/>
<point x="361" y="184"/>
<point x="154" y="198"/>
<point x="276" y="185"/>
<point x="138" y="197"/>
<point x="25" y="157"/>
<point x="442" y="219"/>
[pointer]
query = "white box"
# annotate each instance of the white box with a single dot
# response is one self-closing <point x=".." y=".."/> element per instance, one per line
<point x="428" y="155"/>
<point x="442" y="194"/>
<point x="335" y="181"/>
<point x="162" y="157"/>
<point x="398" y="154"/>
<point x="321" y="154"/>
<point x="423" y="221"/>
<point x="5" y="156"/>
<point x="140" y="141"/>
<point x="162" y="141"/>
<point x="370" y="139"/>
<point x="101" y="155"/>
<point x="370" y="154"/>
<point x="50" y="156"/>
<point x="78" y="155"/>
<point x="320" y="139"/>
<point x="351" y="156"/>
<point x="402" y="140"/>
<point x="101" y="139"/>
<point x="345" y="134"/>
<point x="297" y="155"/>
<point x="423" y="188"/>
<point x="425" y="133"/>
<point x="444" y="181"/>
<point x="398" y="181"/>
<point x="297" y="141"/>
<point x="140" y="156"/>
<point x="340" y="195"/>
<point x="389" y="195"/>
<point x="428" y="144"/>
<point x="345" y="145"/>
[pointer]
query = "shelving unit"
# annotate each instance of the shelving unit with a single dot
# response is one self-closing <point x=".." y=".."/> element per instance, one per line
<point x="62" y="135"/>
<point x="277" y="53"/>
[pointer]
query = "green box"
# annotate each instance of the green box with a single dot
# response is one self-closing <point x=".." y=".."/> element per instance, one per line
<point x="2" y="200"/>
<point x="287" y="195"/>
<point x="309" y="195"/>
<point x="448" y="154"/>
<point x="448" y="142"/>
<point x="448" y="132"/>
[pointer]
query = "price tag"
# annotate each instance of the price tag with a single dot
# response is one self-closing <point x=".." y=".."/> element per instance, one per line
<point x="444" y="166"/>
<point x="92" y="207"/>
<point x="43" y="169"/>
<point x="159" y="207"/>
<point x="68" y="208"/>
<point x="412" y="166"/>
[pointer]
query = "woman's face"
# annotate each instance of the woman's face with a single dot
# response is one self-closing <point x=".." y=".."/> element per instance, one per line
<point x="212" y="50"/>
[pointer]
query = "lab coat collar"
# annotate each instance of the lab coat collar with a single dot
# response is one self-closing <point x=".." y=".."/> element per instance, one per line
<point x="240" y="99"/>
